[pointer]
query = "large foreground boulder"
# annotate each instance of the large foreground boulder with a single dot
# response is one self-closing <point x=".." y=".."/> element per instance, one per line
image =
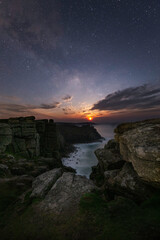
<point x="130" y="165"/>
<point x="140" y="145"/>
<point x="65" y="194"/>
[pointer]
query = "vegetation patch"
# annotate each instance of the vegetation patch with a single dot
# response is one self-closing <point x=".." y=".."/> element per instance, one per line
<point x="96" y="219"/>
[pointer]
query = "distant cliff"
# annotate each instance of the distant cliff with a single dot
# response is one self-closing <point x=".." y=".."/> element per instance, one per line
<point x="29" y="138"/>
<point x="73" y="133"/>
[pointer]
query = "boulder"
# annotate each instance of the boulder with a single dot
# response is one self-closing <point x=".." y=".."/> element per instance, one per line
<point x="108" y="160"/>
<point x="126" y="182"/>
<point x="140" y="145"/>
<point x="66" y="193"/>
<point x="44" y="182"/>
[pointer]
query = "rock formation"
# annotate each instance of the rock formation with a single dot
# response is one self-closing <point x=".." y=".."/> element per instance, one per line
<point x="29" y="138"/>
<point x="130" y="164"/>
<point x="19" y="136"/>
<point x="140" y="144"/>
<point x="66" y="193"/>
<point x="44" y="182"/>
<point x="30" y="156"/>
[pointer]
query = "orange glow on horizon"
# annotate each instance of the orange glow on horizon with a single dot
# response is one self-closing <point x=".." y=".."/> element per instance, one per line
<point x="90" y="118"/>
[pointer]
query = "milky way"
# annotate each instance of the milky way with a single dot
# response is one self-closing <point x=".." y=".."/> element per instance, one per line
<point x="61" y="58"/>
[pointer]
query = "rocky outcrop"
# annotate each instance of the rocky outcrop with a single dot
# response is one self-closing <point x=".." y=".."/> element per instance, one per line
<point x="44" y="182"/>
<point x="50" y="140"/>
<point x="12" y="166"/>
<point x="19" y="136"/>
<point x="29" y="138"/>
<point x="140" y="144"/>
<point x="109" y="158"/>
<point x="126" y="182"/>
<point x="130" y="164"/>
<point x="66" y="193"/>
<point x="5" y="136"/>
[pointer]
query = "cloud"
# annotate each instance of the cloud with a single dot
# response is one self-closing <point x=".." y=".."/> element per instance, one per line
<point x="133" y="98"/>
<point x="34" y="24"/>
<point x="49" y="106"/>
<point x="6" y="98"/>
<point x="67" y="98"/>
<point x="20" y="108"/>
<point x="68" y="110"/>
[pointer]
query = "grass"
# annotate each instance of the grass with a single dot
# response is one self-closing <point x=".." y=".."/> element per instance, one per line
<point x="96" y="219"/>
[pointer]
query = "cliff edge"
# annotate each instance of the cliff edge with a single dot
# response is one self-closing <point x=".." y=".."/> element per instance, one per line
<point x="129" y="165"/>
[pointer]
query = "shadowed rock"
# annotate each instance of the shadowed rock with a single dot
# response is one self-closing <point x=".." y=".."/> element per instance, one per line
<point x="126" y="182"/>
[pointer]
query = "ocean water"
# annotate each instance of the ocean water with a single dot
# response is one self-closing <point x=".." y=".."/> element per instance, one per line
<point x="84" y="158"/>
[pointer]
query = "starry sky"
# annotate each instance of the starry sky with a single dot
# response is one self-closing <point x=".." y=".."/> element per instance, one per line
<point x="74" y="59"/>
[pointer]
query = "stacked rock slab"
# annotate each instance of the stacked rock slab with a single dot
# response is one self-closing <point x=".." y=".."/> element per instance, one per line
<point x="61" y="192"/>
<point x="19" y="136"/>
<point x="28" y="138"/>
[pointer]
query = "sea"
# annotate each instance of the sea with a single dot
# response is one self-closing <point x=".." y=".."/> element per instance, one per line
<point x="83" y="158"/>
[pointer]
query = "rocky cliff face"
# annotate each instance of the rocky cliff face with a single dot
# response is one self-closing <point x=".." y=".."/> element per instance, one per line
<point x="28" y="147"/>
<point x="50" y="140"/>
<point x="31" y="138"/>
<point x="140" y="144"/>
<point x="19" y="136"/>
<point x="130" y="164"/>
<point x="30" y="156"/>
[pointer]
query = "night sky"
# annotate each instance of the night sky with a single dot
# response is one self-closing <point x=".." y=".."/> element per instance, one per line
<point x="74" y="59"/>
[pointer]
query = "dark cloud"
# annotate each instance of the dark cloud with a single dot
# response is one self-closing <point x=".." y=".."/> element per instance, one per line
<point x="35" y="24"/>
<point x="67" y="98"/>
<point x="50" y="106"/>
<point x="141" y="97"/>
<point x="15" y="107"/>
<point x="23" y="108"/>
<point x="68" y="110"/>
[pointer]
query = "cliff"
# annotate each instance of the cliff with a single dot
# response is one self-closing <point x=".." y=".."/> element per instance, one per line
<point x="78" y="134"/>
<point x="19" y="136"/>
<point x="29" y="138"/>
<point x="40" y="199"/>
<point x="130" y="164"/>
<point x="29" y="146"/>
